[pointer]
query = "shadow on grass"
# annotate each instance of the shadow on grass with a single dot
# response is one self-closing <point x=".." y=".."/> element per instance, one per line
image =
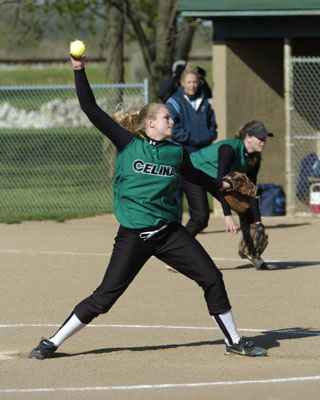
<point x="268" y="227"/>
<point x="279" y="265"/>
<point x="267" y="339"/>
<point x="141" y="348"/>
<point x="272" y="338"/>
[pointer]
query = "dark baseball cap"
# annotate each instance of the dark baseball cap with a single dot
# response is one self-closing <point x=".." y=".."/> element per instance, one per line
<point x="259" y="132"/>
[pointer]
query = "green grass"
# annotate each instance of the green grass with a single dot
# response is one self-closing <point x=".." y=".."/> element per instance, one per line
<point x="48" y="76"/>
<point x="63" y="75"/>
<point x="54" y="174"/>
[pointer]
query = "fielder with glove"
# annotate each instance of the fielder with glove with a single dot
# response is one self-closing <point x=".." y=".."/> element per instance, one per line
<point x="242" y="192"/>
<point x="236" y="161"/>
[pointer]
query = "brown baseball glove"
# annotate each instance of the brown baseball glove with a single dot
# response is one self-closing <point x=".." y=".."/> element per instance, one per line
<point x="258" y="243"/>
<point x="242" y="192"/>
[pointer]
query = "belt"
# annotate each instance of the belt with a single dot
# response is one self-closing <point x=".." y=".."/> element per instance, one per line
<point x="148" y="234"/>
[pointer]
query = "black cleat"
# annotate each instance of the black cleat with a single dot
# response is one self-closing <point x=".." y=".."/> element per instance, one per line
<point x="45" y="349"/>
<point x="256" y="261"/>
<point x="246" y="347"/>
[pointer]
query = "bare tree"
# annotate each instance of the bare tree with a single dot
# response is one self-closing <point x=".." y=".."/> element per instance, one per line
<point x="163" y="36"/>
<point x="156" y="26"/>
<point x="114" y="44"/>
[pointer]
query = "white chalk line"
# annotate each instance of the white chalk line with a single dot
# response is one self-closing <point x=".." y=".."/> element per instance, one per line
<point x="163" y="386"/>
<point x="53" y="252"/>
<point x="86" y="254"/>
<point x="210" y="328"/>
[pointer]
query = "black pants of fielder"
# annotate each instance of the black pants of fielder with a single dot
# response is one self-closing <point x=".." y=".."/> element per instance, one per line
<point x="200" y="213"/>
<point x="198" y="206"/>
<point x="174" y="246"/>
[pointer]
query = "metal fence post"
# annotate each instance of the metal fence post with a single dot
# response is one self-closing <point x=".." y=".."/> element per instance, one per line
<point x="146" y="91"/>
<point x="288" y="131"/>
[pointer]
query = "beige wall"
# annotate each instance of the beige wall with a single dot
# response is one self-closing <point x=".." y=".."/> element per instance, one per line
<point x="248" y="84"/>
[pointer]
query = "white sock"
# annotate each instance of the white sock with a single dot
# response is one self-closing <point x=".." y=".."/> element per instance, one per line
<point x="69" y="328"/>
<point x="227" y="326"/>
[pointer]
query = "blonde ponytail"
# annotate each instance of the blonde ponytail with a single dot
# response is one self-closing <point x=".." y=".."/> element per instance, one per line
<point x="135" y="121"/>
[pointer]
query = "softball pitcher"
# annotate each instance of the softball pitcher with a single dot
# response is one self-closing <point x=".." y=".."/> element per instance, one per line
<point x="146" y="178"/>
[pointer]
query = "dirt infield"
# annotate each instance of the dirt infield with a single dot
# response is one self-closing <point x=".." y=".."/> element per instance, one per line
<point x="158" y="341"/>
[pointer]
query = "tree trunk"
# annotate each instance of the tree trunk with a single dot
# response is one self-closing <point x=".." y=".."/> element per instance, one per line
<point x="114" y="74"/>
<point x="155" y="30"/>
<point x="184" y="39"/>
<point x="114" y="53"/>
<point x="164" y="45"/>
<point x="114" y="49"/>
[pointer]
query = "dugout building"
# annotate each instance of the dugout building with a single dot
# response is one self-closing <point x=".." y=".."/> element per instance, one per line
<point x="259" y="49"/>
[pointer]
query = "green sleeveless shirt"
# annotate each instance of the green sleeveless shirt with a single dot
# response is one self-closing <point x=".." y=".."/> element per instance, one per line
<point x="146" y="178"/>
<point x="206" y="159"/>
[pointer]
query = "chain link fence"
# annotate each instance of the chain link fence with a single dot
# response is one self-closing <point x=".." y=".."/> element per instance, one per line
<point x="305" y="130"/>
<point x="52" y="159"/>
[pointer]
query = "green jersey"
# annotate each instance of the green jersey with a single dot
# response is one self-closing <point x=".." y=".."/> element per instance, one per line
<point x="207" y="158"/>
<point x="145" y="182"/>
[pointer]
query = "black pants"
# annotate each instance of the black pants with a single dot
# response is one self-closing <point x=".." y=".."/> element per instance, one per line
<point x="246" y="220"/>
<point x="197" y="202"/>
<point x="200" y="213"/>
<point x="198" y="207"/>
<point x="174" y="246"/>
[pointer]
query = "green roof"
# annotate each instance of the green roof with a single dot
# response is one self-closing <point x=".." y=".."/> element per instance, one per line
<point x="248" y="8"/>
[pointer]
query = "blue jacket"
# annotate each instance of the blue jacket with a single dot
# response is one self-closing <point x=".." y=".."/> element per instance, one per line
<point x="194" y="127"/>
